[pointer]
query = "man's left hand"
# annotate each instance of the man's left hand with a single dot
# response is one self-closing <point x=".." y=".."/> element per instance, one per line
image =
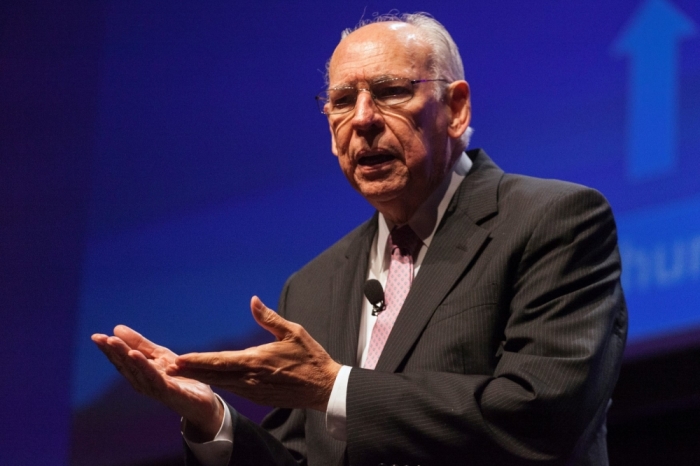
<point x="292" y="372"/>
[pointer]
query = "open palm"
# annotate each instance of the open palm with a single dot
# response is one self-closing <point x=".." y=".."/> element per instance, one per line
<point x="143" y="364"/>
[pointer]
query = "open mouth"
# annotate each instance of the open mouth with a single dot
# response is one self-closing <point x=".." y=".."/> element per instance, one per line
<point x="370" y="160"/>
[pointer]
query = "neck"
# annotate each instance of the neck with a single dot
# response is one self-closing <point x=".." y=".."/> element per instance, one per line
<point x="401" y="209"/>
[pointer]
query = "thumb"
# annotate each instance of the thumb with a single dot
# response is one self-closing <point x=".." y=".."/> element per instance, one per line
<point x="269" y="319"/>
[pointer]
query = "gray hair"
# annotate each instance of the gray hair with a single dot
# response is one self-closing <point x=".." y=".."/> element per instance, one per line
<point x="444" y="60"/>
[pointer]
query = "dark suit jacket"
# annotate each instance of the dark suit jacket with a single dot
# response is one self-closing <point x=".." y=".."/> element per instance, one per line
<point x="506" y="350"/>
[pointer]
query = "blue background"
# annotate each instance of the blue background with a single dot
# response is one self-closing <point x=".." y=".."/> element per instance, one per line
<point x="208" y="177"/>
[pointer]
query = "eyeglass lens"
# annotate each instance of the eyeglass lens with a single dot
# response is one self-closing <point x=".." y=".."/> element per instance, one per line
<point x="385" y="93"/>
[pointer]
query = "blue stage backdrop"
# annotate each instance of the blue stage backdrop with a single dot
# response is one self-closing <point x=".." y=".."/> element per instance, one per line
<point x="213" y="180"/>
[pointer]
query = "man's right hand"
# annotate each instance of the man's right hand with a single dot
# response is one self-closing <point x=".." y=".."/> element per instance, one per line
<point x="143" y="364"/>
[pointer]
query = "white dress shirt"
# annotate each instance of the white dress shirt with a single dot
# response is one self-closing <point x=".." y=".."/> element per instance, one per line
<point x="424" y="223"/>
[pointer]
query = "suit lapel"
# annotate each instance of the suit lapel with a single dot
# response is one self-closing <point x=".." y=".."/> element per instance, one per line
<point x="347" y="295"/>
<point x="456" y="245"/>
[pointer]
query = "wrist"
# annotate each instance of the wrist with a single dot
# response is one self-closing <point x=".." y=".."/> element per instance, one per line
<point x="327" y="389"/>
<point x="205" y="428"/>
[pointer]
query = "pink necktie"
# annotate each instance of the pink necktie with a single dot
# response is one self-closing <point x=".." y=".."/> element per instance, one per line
<point x="404" y="246"/>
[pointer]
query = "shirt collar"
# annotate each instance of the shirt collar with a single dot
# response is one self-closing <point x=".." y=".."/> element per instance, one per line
<point x="427" y="218"/>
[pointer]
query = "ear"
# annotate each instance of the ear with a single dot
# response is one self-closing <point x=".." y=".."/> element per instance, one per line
<point x="459" y="102"/>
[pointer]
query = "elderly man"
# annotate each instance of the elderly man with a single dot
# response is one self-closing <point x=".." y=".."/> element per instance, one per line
<point x="500" y="334"/>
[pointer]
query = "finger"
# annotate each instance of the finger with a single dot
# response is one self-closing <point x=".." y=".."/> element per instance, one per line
<point x="269" y="319"/>
<point x="117" y="353"/>
<point x="148" y="377"/>
<point x="114" y="351"/>
<point x="232" y="381"/>
<point x="209" y="377"/>
<point x="223" y="361"/>
<point x="135" y="340"/>
<point x="134" y="366"/>
<point x="99" y="338"/>
<point x="112" y="347"/>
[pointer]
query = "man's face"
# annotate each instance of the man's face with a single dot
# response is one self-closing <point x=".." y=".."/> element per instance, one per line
<point x="395" y="157"/>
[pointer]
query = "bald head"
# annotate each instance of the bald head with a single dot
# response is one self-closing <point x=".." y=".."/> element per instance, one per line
<point x="365" y="51"/>
<point x="444" y="58"/>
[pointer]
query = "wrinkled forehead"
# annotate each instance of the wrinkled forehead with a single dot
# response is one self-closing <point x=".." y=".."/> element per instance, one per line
<point x="390" y="49"/>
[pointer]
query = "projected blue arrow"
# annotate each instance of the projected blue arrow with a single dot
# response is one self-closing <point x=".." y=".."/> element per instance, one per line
<point x="652" y="39"/>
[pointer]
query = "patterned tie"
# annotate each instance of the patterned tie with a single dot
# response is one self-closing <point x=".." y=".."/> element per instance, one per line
<point x="404" y="246"/>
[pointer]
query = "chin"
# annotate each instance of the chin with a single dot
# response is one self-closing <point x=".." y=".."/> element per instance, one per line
<point x="380" y="194"/>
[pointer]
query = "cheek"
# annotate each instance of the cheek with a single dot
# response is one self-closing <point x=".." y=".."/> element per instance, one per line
<point x="410" y="131"/>
<point x="334" y="144"/>
<point x="431" y="142"/>
<point x="347" y="168"/>
<point x="340" y="138"/>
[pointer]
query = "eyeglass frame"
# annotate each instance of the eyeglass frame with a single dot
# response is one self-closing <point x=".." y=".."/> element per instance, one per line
<point x="322" y="100"/>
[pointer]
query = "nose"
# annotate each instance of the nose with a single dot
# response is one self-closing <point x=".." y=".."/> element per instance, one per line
<point x="366" y="112"/>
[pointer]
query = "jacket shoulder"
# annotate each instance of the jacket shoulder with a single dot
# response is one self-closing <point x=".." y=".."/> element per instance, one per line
<point x="513" y="185"/>
<point x="528" y="194"/>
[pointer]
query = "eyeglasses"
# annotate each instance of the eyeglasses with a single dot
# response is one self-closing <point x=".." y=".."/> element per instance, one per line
<point x="385" y="93"/>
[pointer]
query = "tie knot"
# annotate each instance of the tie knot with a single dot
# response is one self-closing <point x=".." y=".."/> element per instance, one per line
<point x="406" y="240"/>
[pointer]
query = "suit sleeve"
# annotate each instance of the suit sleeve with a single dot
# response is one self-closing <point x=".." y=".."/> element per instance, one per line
<point x="565" y="327"/>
